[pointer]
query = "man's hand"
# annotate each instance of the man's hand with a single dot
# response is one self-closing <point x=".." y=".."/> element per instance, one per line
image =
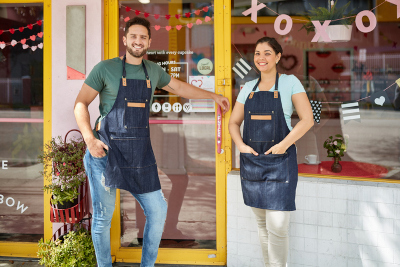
<point x="223" y="102"/>
<point x="96" y="147"/>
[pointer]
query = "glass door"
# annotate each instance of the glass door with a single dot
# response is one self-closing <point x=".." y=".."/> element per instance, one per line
<point x="183" y="132"/>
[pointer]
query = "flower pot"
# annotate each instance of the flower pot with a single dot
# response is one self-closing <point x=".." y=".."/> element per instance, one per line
<point x="338" y="33"/>
<point x="336" y="167"/>
<point x="67" y="204"/>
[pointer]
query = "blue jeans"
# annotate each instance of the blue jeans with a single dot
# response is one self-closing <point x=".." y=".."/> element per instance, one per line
<point x="103" y="202"/>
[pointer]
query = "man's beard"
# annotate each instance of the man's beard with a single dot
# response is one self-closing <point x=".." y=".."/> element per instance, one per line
<point x="136" y="54"/>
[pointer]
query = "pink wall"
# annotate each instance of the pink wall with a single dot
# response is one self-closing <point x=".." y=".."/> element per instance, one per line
<point x="65" y="91"/>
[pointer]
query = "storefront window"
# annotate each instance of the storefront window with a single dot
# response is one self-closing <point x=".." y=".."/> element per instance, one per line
<point x="182" y="130"/>
<point x="349" y="78"/>
<point x="21" y="122"/>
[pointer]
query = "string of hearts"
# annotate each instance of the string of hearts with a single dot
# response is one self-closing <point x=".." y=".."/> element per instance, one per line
<point x="21" y="29"/>
<point x="178" y="27"/>
<point x="22" y="41"/>
<point x="24" y="46"/>
<point x="168" y="16"/>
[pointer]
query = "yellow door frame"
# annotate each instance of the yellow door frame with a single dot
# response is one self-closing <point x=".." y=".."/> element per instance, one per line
<point x="222" y="37"/>
<point x="29" y="249"/>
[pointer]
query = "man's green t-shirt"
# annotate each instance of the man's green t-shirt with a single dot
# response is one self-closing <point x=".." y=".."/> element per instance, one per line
<point x="105" y="78"/>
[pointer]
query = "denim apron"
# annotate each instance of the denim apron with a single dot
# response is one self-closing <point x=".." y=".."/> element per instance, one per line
<point x="268" y="181"/>
<point x="131" y="164"/>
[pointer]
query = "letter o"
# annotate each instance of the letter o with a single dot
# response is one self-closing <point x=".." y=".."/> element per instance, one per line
<point x="360" y="24"/>
<point x="289" y="24"/>
<point x="13" y="201"/>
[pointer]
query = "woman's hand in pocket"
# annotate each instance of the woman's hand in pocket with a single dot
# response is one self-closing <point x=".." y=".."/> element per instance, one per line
<point x="247" y="149"/>
<point x="276" y="149"/>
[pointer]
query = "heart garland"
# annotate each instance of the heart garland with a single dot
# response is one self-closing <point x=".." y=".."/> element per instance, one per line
<point x="178" y="27"/>
<point x="21" y="29"/>
<point x="22" y="41"/>
<point x="316" y="109"/>
<point x="168" y="16"/>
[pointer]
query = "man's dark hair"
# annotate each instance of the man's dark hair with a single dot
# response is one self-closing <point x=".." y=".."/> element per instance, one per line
<point x="137" y="21"/>
<point x="272" y="42"/>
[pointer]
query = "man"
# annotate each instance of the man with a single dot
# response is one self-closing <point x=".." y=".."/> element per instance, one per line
<point x="119" y="151"/>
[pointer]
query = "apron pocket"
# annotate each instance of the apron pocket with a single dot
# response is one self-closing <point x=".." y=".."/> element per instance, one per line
<point x="262" y="127"/>
<point x="135" y="114"/>
<point x="270" y="168"/>
<point x="132" y="152"/>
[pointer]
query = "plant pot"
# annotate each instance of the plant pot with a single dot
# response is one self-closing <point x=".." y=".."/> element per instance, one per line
<point x="336" y="167"/>
<point x="338" y="33"/>
<point x="67" y="204"/>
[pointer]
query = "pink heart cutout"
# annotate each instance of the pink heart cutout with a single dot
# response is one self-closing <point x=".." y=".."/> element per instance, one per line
<point x="198" y="21"/>
<point x="205" y="9"/>
<point x="157" y="27"/>
<point x="2" y="45"/>
<point x="25" y="46"/>
<point x="40" y="45"/>
<point x="126" y="19"/>
<point x="33" y="37"/>
<point x="23" y="41"/>
<point x="168" y="28"/>
<point x="13" y="42"/>
<point x="33" y="48"/>
<point x="156" y="16"/>
<point x="190" y="25"/>
<point x="178" y="27"/>
<point x="40" y="34"/>
<point x="197" y="12"/>
<point x="207" y="19"/>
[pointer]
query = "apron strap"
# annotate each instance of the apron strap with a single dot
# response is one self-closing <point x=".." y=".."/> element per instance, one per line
<point x="124" y="72"/>
<point x="259" y="80"/>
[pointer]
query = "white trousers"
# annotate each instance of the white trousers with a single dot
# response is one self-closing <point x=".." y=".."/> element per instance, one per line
<point x="273" y="231"/>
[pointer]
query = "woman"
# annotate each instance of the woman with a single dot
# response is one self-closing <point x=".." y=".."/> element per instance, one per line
<point x="268" y="164"/>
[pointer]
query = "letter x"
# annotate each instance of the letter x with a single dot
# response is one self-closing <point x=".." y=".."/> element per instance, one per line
<point x="320" y="30"/>
<point x="253" y="10"/>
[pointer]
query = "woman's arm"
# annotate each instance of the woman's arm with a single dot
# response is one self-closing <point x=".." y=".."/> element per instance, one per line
<point x="235" y="121"/>
<point x="303" y="108"/>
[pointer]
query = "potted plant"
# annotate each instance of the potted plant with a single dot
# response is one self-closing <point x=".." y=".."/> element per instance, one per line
<point x="63" y="166"/>
<point x="340" y="27"/>
<point x="74" y="249"/>
<point x="336" y="148"/>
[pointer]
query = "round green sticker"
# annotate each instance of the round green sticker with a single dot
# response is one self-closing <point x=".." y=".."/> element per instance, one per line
<point x="205" y="66"/>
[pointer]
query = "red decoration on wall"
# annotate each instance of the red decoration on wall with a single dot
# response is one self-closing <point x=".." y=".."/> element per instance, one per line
<point x="128" y="9"/>
<point x="21" y="29"/>
<point x="146" y="14"/>
<point x="12" y="31"/>
<point x="167" y="16"/>
<point x="137" y="12"/>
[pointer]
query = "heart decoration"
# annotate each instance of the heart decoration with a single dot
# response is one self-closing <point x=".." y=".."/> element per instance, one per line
<point x="12" y="31"/>
<point x="177" y="16"/>
<point x="380" y="101"/>
<point x="23" y="41"/>
<point x="178" y="27"/>
<point x="288" y="62"/>
<point x="137" y="12"/>
<point x="39" y="22"/>
<point x="30" y="26"/>
<point x="33" y="48"/>
<point x="168" y="16"/>
<point x="168" y="28"/>
<point x="188" y="14"/>
<point x="156" y="16"/>
<point x="207" y="19"/>
<point x="13" y="42"/>
<point x="197" y="83"/>
<point x="40" y="45"/>
<point x="1" y="32"/>
<point x="128" y="9"/>
<point x="197" y="12"/>
<point x="198" y="21"/>
<point x="146" y="14"/>
<point x="25" y="46"/>
<point x="2" y="45"/>
<point x="21" y="29"/>
<point x="189" y="25"/>
<point x="205" y="9"/>
<point x="126" y="19"/>
<point x="265" y="33"/>
<point x="33" y="37"/>
<point x="157" y="27"/>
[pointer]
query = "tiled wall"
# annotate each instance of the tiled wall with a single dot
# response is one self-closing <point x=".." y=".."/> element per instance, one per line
<point x="337" y="223"/>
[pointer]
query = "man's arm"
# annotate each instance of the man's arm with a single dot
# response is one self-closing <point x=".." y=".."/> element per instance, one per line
<point x="189" y="91"/>
<point x="86" y="95"/>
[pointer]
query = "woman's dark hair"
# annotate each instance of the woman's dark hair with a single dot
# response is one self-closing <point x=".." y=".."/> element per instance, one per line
<point x="272" y="43"/>
<point x="137" y="21"/>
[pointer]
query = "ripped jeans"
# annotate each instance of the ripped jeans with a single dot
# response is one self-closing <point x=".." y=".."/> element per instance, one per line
<point x="103" y="202"/>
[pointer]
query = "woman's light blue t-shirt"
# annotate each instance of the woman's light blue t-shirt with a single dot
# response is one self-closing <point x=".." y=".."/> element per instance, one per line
<point x="288" y="86"/>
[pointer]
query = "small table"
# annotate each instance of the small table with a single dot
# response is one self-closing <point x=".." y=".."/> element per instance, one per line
<point x="349" y="168"/>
